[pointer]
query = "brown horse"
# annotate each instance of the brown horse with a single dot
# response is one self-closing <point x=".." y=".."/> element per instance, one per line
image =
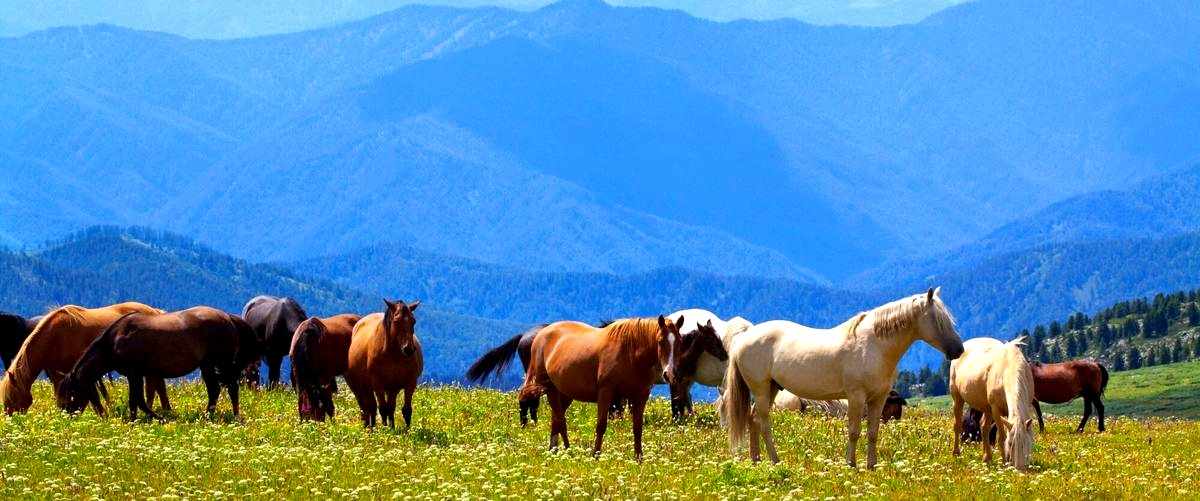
<point x="166" y="345"/>
<point x="54" y="346"/>
<point x="1064" y="382"/>
<point x="575" y="361"/>
<point x="320" y="350"/>
<point x="385" y="357"/>
<point x="893" y="407"/>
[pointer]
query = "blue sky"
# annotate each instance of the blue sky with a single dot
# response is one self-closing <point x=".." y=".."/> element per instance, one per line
<point x="239" y="18"/>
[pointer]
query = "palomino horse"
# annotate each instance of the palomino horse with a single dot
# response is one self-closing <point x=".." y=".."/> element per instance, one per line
<point x="320" y="350"/>
<point x="275" y="320"/>
<point x="855" y="360"/>
<point x="995" y="378"/>
<point x="705" y="356"/>
<point x="1064" y="382"/>
<point x="575" y="361"/>
<point x="385" y="357"/>
<point x="56" y="343"/>
<point x="13" y="331"/>
<point x="166" y="345"/>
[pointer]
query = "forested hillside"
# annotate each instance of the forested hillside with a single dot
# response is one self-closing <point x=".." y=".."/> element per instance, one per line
<point x="102" y="266"/>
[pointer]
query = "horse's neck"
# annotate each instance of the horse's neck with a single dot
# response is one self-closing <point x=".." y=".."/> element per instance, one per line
<point x="891" y="346"/>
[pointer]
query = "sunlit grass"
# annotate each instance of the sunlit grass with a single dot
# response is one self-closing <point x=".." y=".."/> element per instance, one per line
<point x="468" y="443"/>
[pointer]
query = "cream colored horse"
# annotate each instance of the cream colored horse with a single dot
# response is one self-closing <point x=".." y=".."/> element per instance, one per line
<point x="855" y="360"/>
<point x="995" y="378"/>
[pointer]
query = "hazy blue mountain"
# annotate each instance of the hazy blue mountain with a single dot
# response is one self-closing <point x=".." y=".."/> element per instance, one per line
<point x="856" y="145"/>
<point x="105" y="265"/>
<point x="231" y="19"/>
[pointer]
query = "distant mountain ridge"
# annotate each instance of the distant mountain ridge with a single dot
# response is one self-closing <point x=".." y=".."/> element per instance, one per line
<point x="858" y="145"/>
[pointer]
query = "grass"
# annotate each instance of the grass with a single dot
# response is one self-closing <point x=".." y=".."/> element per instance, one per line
<point x="1161" y="391"/>
<point x="467" y="443"/>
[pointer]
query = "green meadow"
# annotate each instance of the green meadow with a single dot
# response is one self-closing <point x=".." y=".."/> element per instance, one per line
<point x="467" y="443"/>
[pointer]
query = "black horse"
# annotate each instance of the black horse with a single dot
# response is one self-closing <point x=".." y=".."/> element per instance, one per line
<point x="13" y="331"/>
<point x="274" y="320"/>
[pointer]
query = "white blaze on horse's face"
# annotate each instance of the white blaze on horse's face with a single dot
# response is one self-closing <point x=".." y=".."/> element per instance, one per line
<point x="669" y="344"/>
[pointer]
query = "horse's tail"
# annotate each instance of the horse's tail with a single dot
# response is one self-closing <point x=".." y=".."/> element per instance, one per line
<point x="735" y="405"/>
<point x="1103" y="378"/>
<point x="492" y="363"/>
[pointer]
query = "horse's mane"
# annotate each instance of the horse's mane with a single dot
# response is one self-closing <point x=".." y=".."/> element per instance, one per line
<point x="632" y="332"/>
<point x="735" y="326"/>
<point x="895" y="316"/>
<point x="1021" y="393"/>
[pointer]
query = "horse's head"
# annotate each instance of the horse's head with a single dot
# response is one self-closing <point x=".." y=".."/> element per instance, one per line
<point x="15" y="398"/>
<point x="670" y="346"/>
<point x="936" y="326"/>
<point x="893" y="407"/>
<point x="1019" y="443"/>
<point x="74" y="394"/>
<point x="703" y="339"/>
<point x="399" y="324"/>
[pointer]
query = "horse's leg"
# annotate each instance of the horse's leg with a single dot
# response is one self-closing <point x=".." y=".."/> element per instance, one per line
<point x="854" y="415"/>
<point x="603" y="401"/>
<point x="366" y="406"/>
<point x="381" y="399"/>
<point x="406" y="410"/>
<point x="752" y="429"/>
<point x="140" y="394"/>
<point x="762" y="416"/>
<point x="985" y="427"/>
<point x="274" y="362"/>
<point x="874" y="415"/>
<point x="213" y="385"/>
<point x="524" y="413"/>
<point x="1087" y="413"/>
<point x="1099" y="412"/>
<point x="231" y="387"/>
<point x="135" y="388"/>
<point x="637" y="414"/>
<point x="1037" y="408"/>
<point x="958" y="422"/>
<point x="558" y="416"/>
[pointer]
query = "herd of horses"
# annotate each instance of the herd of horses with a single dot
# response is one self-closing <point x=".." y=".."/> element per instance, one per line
<point x="846" y="371"/>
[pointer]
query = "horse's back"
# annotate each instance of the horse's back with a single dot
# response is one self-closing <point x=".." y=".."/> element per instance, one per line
<point x="801" y="359"/>
<point x="569" y="353"/>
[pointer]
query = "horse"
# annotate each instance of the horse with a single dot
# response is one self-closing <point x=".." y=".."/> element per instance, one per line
<point x="275" y="320"/>
<point x="385" y="357"/>
<point x="13" y="331"/>
<point x="166" y="345"/>
<point x="893" y="407"/>
<point x="855" y="360"/>
<point x="623" y="360"/>
<point x="53" y="346"/>
<point x="320" y="350"/>
<point x="1064" y="382"/>
<point x="995" y="378"/>
<point x="705" y="341"/>
<point x="497" y="359"/>
<point x="971" y="431"/>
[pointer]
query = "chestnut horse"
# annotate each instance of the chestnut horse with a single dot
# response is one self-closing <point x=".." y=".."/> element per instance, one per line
<point x="1064" y="382"/>
<point x="385" y="357"/>
<point x="54" y="346"/>
<point x="274" y="320"/>
<point x="166" y="345"/>
<point x="575" y="361"/>
<point x="320" y="350"/>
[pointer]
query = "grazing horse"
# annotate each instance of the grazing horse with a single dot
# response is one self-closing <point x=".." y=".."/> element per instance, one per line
<point x="13" y="331"/>
<point x="855" y="360"/>
<point x="995" y="378"/>
<point x="56" y="343"/>
<point x="497" y="359"/>
<point x="320" y="351"/>
<point x="893" y="407"/>
<point x="575" y="361"/>
<point x="1064" y="382"/>
<point x="385" y="357"/>
<point x="167" y="345"/>
<point x="275" y="320"/>
<point x="706" y="340"/>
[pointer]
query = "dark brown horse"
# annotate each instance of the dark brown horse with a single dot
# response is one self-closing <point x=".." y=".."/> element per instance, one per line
<point x="320" y="351"/>
<point x="575" y="361"/>
<point x="167" y="345"/>
<point x="274" y="320"/>
<point x="385" y="357"/>
<point x="893" y="407"/>
<point x="1064" y="382"/>
<point x="703" y="339"/>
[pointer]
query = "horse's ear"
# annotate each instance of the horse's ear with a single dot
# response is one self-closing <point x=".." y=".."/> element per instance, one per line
<point x="937" y="291"/>
<point x="662" y="322"/>
<point x="679" y="322"/>
<point x="710" y="326"/>
<point x="413" y="305"/>
<point x="929" y="295"/>
<point x="1029" y="425"/>
<point x="388" y="304"/>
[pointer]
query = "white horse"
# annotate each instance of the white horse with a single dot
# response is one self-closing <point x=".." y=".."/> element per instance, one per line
<point x="995" y="377"/>
<point x="855" y="360"/>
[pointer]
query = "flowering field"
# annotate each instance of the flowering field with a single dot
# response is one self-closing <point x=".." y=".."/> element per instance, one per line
<point x="467" y="443"/>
